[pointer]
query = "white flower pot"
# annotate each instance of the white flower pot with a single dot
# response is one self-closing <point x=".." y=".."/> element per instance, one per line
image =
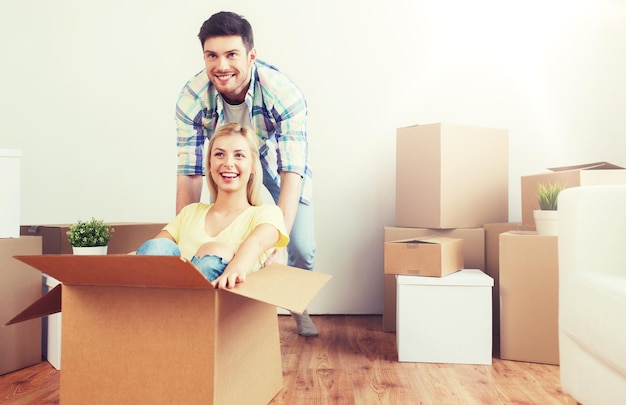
<point x="90" y="251"/>
<point x="546" y="222"/>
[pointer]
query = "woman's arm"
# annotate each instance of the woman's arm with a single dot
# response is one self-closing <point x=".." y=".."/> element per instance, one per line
<point x="262" y="238"/>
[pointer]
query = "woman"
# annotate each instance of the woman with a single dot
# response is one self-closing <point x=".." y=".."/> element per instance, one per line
<point x="234" y="236"/>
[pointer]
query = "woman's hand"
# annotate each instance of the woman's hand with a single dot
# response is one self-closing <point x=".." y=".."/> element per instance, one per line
<point x="230" y="278"/>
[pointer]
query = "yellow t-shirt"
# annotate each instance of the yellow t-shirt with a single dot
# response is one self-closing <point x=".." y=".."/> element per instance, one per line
<point x="188" y="230"/>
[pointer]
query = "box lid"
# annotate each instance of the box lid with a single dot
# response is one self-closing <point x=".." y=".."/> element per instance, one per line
<point x="587" y="166"/>
<point x="283" y="286"/>
<point x="465" y="277"/>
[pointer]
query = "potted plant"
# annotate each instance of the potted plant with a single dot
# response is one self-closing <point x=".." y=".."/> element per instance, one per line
<point x="546" y="216"/>
<point x="90" y="237"/>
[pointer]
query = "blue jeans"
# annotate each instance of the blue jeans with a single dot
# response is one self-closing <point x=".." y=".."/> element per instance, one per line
<point x="210" y="266"/>
<point x="301" y="248"/>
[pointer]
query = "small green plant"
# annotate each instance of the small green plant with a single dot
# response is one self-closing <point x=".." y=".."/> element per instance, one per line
<point x="89" y="233"/>
<point x="548" y="195"/>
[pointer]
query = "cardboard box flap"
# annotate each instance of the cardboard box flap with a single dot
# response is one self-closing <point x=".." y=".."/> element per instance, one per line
<point x="286" y="287"/>
<point x="47" y="305"/>
<point x="283" y="286"/>
<point x="587" y="166"/>
<point x="120" y="270"/>
<point x="426" y="239"/>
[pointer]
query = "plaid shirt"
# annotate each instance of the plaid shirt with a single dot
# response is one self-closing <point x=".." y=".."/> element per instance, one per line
<point x="278" y="115"/>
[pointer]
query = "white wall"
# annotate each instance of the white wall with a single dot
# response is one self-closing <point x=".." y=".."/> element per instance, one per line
<point x="87" y="92"/>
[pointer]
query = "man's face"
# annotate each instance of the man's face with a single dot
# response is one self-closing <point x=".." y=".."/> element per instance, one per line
<point x="228" y="66"/>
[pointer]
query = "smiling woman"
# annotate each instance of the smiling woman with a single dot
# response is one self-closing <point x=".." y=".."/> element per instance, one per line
<point x="235" y="235"/>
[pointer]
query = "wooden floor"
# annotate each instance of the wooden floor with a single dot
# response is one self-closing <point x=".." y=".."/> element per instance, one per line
<point x="354" y="362"/>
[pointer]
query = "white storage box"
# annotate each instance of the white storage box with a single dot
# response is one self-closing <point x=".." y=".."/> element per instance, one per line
<point x="51" y="329"/>
<point x="10" y="186"/>
<point x="445" y="319"/>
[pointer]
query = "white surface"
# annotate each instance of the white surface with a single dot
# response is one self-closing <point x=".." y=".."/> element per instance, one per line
<point x="10" y="190"/>
<point x="51" y="332"/>
<point x="592" y="293"/>
<point x="94" y="106"/>
<point x="442" y="320"/>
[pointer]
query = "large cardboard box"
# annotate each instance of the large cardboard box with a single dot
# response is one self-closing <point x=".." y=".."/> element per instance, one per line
<point x="433" y="256"/>
<point x="445" y="319"/>
<point x="569" y="176"/>
<point x="451" y="176"/>
<point x="128" y="236"/>
<point x="473" y="258"/>
<point x="153" y="330"/>
<point x="20" y="285"/>
<point x="10" y="186"/>
<point x="529" y="290"/>
<point x="492" y="266"/>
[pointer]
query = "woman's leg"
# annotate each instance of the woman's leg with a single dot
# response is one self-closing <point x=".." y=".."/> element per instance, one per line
<point x="211" y="259"/>
<point x="159" y="247"/>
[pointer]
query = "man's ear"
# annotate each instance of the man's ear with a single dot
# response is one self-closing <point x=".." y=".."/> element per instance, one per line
<point x="252" y="54"/>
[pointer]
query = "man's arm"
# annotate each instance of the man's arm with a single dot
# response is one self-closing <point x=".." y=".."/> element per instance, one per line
<point x="289" y="198"/>
<point x="188" y="190"/>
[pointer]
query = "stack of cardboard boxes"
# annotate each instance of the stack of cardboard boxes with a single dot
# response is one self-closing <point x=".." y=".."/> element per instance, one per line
<point x="19" y="285"/>
<point x="452" y="184"/>
<point x="450" y="181"/>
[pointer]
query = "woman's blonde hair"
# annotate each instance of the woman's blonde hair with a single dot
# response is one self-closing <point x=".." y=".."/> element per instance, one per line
<point x="256" y="175"/>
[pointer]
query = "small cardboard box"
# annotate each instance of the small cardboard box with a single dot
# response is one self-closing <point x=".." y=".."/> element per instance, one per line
<point x="569" y="176"/>
<point x="152" y="329"/>
<point x="127" y="237"/>
<point x="529" y="293"/>
<point x="10" y="186"/>
<point x="20" y="285"/>
<point x="451" y="176"/>
<point x="445" y="319"/>
<point x="424" y="256"/>
<point x="473" y="258"/>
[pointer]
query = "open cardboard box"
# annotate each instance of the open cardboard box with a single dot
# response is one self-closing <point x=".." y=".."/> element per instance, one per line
<point x="152" y="329"/>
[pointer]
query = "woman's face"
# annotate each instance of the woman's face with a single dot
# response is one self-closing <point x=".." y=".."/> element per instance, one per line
<point x="230" y="163"/>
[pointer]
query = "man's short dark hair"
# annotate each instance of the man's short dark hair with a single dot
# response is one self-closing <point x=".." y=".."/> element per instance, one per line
<point x="227" y="23"/>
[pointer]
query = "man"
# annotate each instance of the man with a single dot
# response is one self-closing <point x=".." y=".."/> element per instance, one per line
<point x="237" y="87"/>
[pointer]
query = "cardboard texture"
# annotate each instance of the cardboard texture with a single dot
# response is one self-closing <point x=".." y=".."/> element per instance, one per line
<point x="473" y="258"/>
<point x="175" y="337"/>
<point x="451" y="176"/>
<point x="128" y="236"/>
<point x="20" y="346"/>
<point x="10" y="186"/>
<point x="529" y="297"/>
<point x="569" y="176"/>
<point x="424" y="256"/>
<point x="445" y="319"/>
<point x="492" y="264"/>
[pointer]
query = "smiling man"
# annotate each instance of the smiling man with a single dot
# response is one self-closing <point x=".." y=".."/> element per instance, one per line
<point x="235" y="86"/>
